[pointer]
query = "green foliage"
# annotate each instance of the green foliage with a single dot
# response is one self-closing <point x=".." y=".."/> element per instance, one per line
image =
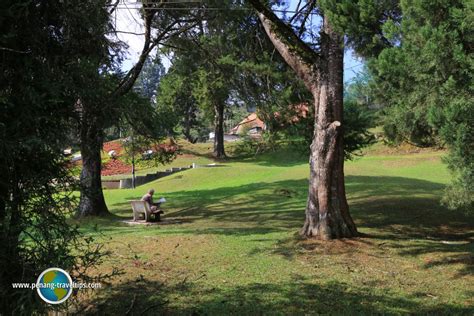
<point x="228" y="61"/>
<point x="210" y="89"/>
<point x="426" y="85"/>
<point x="357" y="122"/>
<point x="253" y="145"/>
<point x="149" y="79"/>
<point x="141" y="116"/>
<point x="246" y="146"/>
<point x="44" y="63"/>
<point x="271" y="89"/>
<point x="197" y="84"/>
<point x="177" y="105"/>
<point x="368" y="25"/>
<point x="458" y="131"/>
<point x="263" y="80"/>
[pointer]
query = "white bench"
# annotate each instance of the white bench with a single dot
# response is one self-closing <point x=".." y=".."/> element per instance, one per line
<point x="142" y="207"/>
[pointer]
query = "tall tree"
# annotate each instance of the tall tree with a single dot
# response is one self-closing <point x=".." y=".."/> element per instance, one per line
<point x="176" y="102"/>
<point x="319" y="64"/>
<point x="98" y="110"/>
<point x="211" y="91"/>
<point x="425" y="82"/>
<point x="199" y="57"/>
<point x="327" y="211"/>
<point x="39" y="82"/>
<point x="95" y="109"/>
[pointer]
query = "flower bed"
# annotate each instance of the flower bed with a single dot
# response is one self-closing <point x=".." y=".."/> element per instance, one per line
<point x="114" y="166"/>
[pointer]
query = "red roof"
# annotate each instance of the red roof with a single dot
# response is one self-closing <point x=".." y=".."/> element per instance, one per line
<point x="294" y="114"/>
<point x="251" y="121"/>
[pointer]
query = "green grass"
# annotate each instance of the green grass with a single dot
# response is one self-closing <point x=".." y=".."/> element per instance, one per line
<point x="232" y="248"/>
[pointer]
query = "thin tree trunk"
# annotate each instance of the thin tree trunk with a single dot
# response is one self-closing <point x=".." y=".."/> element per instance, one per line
<point x="92" y="200"/>
<point x="327" y="211"/>
<point x="187" y="127"/>
<point x="219" y="151"/>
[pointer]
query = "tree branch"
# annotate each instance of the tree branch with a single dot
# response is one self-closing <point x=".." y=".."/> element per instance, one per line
<point x="298" y="11"/>
<point x="298" y="55"/>
<point x="129" y="80"/>
<point x="305" y="18"/>
<point x="113" y="7"/>
<point x="14" y="50"/>
<point x="126" y="32"/>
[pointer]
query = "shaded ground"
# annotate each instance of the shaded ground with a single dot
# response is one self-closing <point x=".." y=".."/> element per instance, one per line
<point x="234" y="249"/>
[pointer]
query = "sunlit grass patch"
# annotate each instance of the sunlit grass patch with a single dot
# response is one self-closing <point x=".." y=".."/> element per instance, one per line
<point x="232" y="246"/>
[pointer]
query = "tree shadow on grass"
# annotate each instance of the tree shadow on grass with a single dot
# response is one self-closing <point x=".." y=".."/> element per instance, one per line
<point x="255" y="204"/>
<point x="398" y="207"/>
<point x="299" y="297"/>
<point x="375" y="202"/>
<point x="388" y="208"/>
<point x="402" y="209"/>
<point x="285" y="158"/>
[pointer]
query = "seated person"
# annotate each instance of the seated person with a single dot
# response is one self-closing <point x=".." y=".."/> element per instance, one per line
<point x="154" y="207"/>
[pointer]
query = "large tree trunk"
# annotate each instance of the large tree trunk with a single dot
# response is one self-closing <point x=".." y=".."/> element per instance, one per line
<point x="92" y="200"/>
<point x="327" y="211"/>
<point x="219" y="151"/>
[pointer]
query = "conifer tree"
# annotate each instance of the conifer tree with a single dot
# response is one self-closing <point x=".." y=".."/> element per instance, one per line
<point x="317" y="59"/>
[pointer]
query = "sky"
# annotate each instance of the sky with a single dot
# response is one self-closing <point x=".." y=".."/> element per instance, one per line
<point x="128" y="20"/>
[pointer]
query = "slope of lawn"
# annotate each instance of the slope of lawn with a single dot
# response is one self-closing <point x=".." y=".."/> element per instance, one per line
<point x="190" y="153"/>
<point x="229" y="243"/>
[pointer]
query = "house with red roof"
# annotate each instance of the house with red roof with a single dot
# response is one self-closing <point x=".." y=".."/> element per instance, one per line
<point x="251" y="125"/>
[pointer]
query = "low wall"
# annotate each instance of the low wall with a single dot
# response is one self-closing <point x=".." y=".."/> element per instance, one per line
<point x="141" y="180"/>
<point x="111" y="184"/>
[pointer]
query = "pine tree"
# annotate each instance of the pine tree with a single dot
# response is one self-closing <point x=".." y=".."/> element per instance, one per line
<point x="425" y="82"/>
<point x="42" y="70"/>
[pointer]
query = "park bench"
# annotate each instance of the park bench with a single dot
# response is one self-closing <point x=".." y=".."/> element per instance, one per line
<point x="142" y="207"/>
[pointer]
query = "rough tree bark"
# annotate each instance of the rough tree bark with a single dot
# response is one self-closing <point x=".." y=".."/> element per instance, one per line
<point x="92" y="202"/>
<point x="327" y="211"/>
<point x="219" y="151"/>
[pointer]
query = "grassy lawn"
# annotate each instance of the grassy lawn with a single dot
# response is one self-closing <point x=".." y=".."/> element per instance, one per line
<point x="230" y="246"/>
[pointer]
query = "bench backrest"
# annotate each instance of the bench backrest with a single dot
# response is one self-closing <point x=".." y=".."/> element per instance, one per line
<point x="140" y="206"/>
